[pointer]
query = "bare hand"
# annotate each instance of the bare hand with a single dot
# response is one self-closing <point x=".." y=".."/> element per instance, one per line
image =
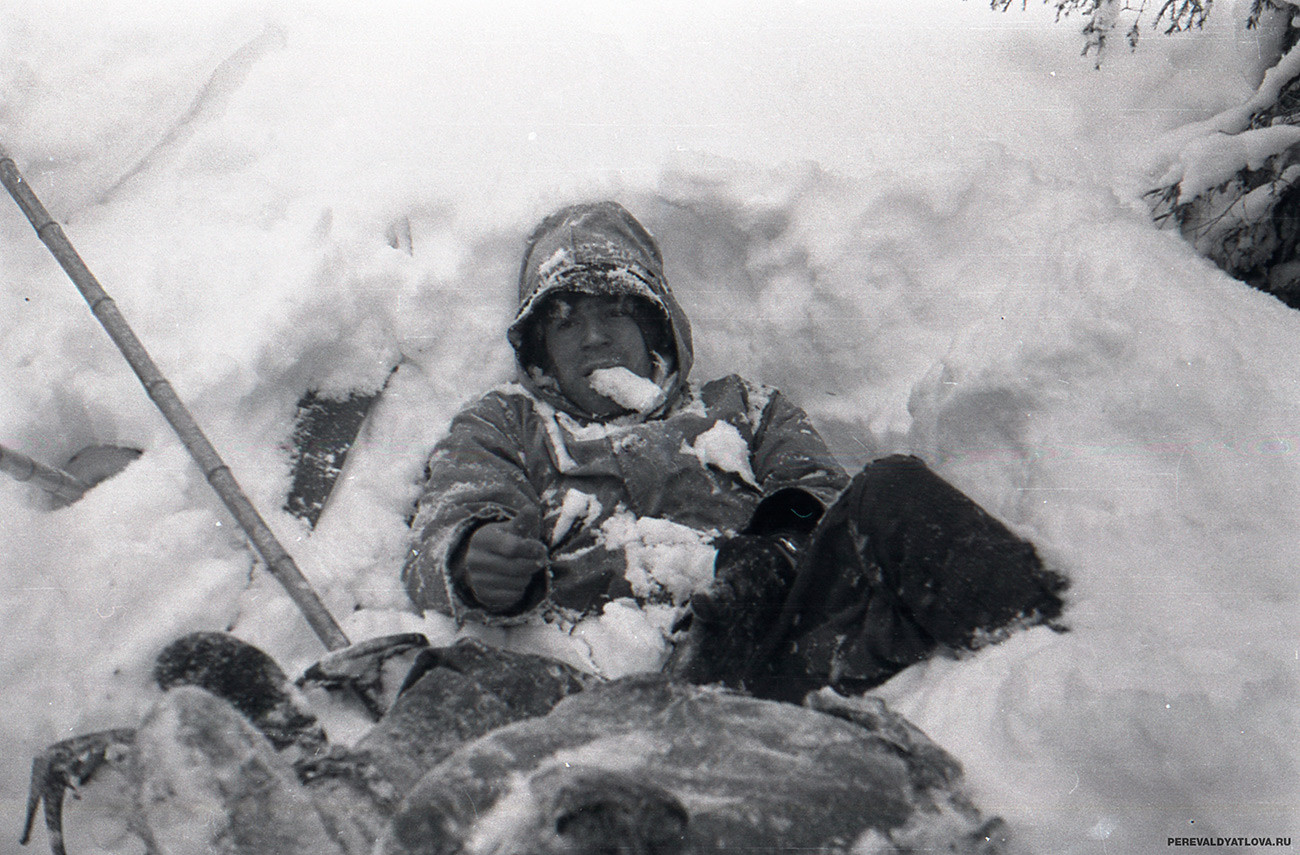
<point x="499" y="564"/>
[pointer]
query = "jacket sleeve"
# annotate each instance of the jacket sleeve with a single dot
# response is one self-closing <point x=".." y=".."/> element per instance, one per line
<point x="476" y="475"/>
<point x="798" y="475"/>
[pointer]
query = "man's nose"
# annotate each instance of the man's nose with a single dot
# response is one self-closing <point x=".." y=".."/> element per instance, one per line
<point x="595" y="333"/>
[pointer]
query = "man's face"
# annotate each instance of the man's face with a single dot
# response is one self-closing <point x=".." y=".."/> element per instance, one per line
<point x="588" y="332"/>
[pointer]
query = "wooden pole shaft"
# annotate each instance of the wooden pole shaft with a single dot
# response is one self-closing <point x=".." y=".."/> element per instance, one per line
<point x="51" y="480"/>
<point x="278" y="561"/>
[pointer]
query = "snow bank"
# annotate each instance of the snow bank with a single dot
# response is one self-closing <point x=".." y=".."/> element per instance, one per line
<point x="925" y="241"/>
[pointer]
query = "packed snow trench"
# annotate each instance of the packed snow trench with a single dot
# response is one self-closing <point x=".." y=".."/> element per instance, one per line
<point x="920" y="220"/>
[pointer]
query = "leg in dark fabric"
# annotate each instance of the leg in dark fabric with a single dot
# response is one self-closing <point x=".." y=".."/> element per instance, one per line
<point x="902" y="564"/>
<point x="752" y="578"/>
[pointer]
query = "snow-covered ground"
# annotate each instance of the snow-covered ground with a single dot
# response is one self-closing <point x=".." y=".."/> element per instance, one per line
<point x="918" y="219"/>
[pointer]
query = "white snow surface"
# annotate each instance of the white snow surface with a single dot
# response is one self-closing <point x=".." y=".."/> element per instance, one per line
<point x="920" y="220"/>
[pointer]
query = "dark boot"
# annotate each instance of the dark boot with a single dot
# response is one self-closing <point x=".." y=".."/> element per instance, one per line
<point x="730" y="620"/>
<point x="902" y="565"/>
<point x="247" y="679"/>
<point x="958" y="572"/>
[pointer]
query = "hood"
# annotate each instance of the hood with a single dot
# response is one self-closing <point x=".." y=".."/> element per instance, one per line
<point x="595" y="248"/>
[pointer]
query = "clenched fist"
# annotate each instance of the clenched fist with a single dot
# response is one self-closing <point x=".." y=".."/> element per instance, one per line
<point x="499" y="564"/>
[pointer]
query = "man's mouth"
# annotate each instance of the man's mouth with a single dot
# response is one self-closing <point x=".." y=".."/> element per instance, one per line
<point x="597" y="364"/>
<point x="626" y="388"/>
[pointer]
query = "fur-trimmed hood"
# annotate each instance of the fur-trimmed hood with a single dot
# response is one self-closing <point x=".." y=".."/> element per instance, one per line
<point x="595" y="248"/>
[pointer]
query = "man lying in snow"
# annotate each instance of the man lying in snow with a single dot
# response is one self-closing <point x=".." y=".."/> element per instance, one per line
<point x="818" y="581"/>
<point x="529" y="499"/>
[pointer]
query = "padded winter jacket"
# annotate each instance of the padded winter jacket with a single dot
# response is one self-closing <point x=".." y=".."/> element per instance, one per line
<point x="701" y="461"/>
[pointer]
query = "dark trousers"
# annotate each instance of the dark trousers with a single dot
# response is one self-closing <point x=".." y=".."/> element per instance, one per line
<point x="901" y="565"/>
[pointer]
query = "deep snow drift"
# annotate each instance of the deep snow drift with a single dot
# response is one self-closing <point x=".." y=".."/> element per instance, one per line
<point x="917" y="220"/>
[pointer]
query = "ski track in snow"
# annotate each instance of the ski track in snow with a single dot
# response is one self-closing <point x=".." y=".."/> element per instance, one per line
<point x="970" y="283"/>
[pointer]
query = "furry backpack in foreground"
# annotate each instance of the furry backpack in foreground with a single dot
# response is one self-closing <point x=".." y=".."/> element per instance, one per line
<point x="489" y="751"/>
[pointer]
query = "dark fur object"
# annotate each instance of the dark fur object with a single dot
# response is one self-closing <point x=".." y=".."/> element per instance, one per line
<point x="246" y="678"/>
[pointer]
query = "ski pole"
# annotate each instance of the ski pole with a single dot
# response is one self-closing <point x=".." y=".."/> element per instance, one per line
<point x="278" y="561"/>
<point x="51" y="480"/>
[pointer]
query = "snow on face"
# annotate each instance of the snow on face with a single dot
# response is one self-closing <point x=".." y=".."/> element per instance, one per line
<point x="629" y="390"/>
<point x="588" y="334"/>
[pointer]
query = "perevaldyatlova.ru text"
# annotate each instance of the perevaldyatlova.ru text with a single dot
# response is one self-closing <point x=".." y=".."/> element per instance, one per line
<point x="1229" y="841"/>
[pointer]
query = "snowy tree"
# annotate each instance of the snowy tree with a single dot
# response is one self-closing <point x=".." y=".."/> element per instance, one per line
<point x="1104" y="17"/>
<point x="1230" y="183"/>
